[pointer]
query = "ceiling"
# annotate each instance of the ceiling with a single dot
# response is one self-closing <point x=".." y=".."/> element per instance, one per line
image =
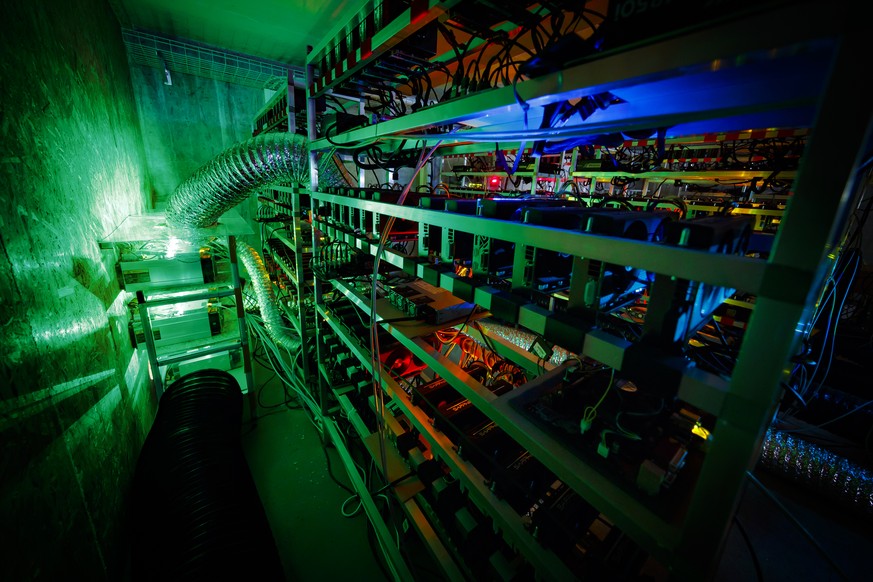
<point x="276" y="30"/>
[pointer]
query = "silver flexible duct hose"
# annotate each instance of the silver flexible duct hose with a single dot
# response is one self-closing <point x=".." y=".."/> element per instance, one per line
<point x="230" y="178"/>
<point x="816" y="468"/>
<point x="522" y="338"/>
<point x="263" y="288"/>
<point x="233" y="175"/>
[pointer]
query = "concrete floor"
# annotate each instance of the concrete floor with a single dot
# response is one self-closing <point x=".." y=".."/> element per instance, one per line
<point x="317" y="543"/>
<point x="785" y="553"/>
<point x="303" y="504"/>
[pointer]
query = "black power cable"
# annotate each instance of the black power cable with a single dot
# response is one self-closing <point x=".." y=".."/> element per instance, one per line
<point x="814" y="542"/>
<point x="330" y="468"/>
<point x="756" y="563"/>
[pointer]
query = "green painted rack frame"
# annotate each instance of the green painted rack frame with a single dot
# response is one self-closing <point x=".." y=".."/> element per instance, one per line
<point x="800" y="71"/>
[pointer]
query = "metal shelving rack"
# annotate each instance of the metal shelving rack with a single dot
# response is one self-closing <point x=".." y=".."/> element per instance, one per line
<point x="801" y="74"/>
<point x="472" y="480"/>
<point x="282" y="112"/>
<point x="232" y="338"/>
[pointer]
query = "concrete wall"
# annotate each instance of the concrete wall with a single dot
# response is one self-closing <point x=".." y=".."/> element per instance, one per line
<point x="74" y="406"/>
<point x="186" y="124"/>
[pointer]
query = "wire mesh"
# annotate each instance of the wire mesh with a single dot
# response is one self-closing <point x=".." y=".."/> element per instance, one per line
<point x="177" y="55"/>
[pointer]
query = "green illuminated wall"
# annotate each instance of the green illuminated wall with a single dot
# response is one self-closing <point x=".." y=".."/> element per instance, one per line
<point x="186" y="124"/>
<point x="74" y="406"/>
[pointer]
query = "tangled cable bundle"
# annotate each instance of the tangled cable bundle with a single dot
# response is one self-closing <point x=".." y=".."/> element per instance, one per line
<point x="476" y="353"/>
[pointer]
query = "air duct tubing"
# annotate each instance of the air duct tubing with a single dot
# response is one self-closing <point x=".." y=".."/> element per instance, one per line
<point x="263" y="289"/>
<point x="195" y="510"/>
<point x="818" y="469"/>
<point x="234" y="174"/>
<point x="230" y="177"/>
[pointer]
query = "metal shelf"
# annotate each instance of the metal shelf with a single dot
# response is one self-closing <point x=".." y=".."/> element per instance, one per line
<point x="632" y="516"/>
<point x="406" y="493"/>
<point x="494" y="173"/>
<point x="695" y="83"/>
<point x="392" y="553"/>
<point x="732" y="271"/>
<point x="292" y="264"/>
<point x="506" y="520"/>
<point x="404" y="262"/>
<point x="483" y="193"/>
<point x="230" y="338"/>
<point x="154" y="227"/>
<point x="388" y="36"/>
<point x="169" y="296"/>
<point x="653" y="533"/>
<point x="290" y="243"/>
<point x="665" y="85"/>
<point x="227" y="340"/>
<point x="688" y="176"/>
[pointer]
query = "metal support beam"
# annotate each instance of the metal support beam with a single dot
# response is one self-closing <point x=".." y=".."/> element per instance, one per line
<point x="813" y="225"/>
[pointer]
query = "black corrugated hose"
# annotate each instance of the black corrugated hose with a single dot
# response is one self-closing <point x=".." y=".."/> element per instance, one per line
<point x="196" y="513"/>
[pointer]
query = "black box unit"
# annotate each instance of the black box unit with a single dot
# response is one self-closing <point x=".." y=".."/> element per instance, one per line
<point x="485" y="444"/>
<point x="569" y="217"/>
<point x="633" y="224"/>
<point x="718" y="234"/>
<point x="513" y="208"/>
<point x="457" y="417"/>
<point x="521" y="480"/>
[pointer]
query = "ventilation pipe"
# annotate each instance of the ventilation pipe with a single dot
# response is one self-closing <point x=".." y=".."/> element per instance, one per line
<point x="263" y="289"/>
<point x="230" y="178"/>
<point x="234" y="174"/>
<point x="818" y="469"/>
<point x="195" y="509"/>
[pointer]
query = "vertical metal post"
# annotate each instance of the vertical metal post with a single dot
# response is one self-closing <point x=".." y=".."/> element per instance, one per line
<point x="536" y="173"/>
<point x="423" y="243"/>
<point x="447" y="244"/>
<point x="422" y="178"/>
<point x="150" y="343"/>
<point x="574" y="158"/>
<point x="377" y="225"/>
<point x="481" y="255"/>
<point x="564" y="165"/>
<point x="578" y="281"/>
<point x="312" y="134"/>
<point x="305" y="331"/>
<point x="362" y="172"/>
<point x="243" y="330"/>
<point x="523" y="262"/>
<point x="291" y="104"/>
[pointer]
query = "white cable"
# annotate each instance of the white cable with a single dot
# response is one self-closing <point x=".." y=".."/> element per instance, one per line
<point x="286" y="375"/>
<point x="836" y="324"/>
<point x="832" y="334"/>
<point x="374" y="336"/>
